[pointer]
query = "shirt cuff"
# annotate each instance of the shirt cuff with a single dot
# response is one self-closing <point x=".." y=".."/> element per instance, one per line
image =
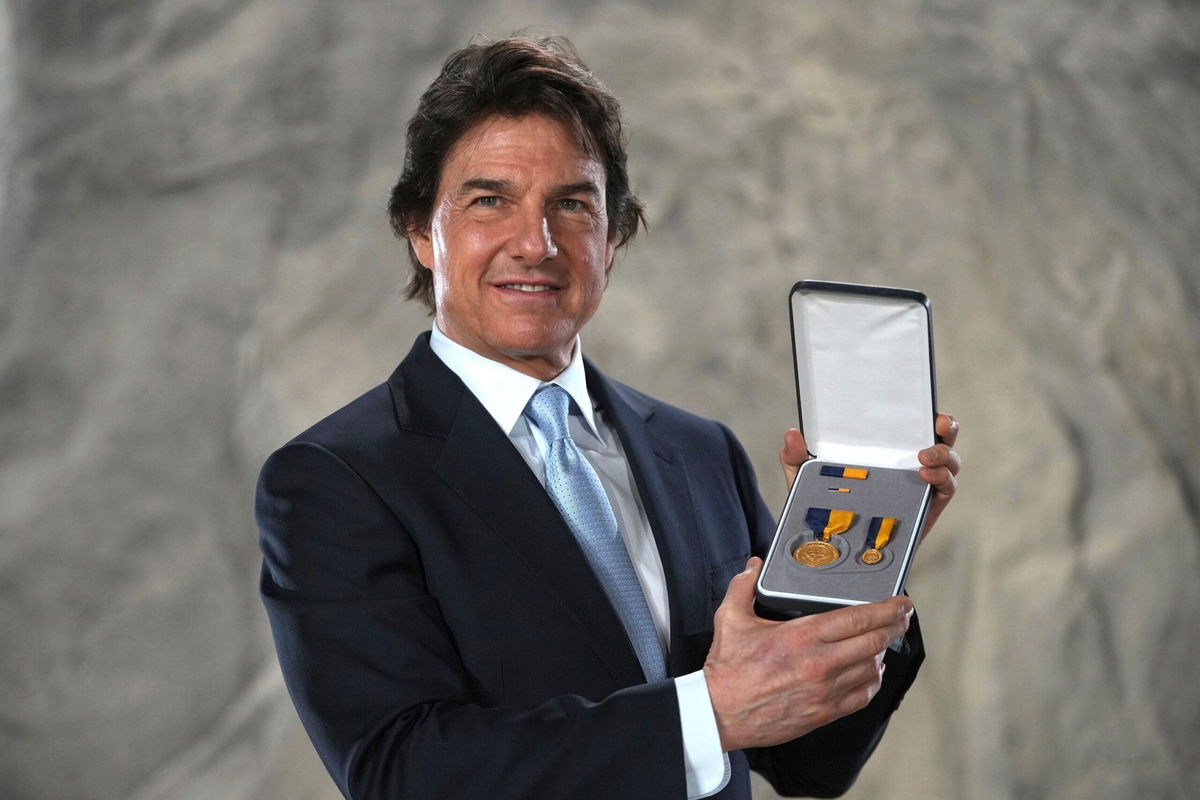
<point x="705" y="764"/>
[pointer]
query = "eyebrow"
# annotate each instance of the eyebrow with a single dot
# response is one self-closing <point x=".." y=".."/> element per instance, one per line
<point x="484" y="184"/>
<point x="504" y="187"/>
<point x="582" y="187"/>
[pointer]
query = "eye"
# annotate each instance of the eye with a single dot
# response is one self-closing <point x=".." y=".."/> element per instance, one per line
<point x="486" y="201"/>
<point x="571" y="204"/>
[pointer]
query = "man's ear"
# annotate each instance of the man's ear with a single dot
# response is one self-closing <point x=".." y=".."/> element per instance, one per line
<point x="422" y="244"/>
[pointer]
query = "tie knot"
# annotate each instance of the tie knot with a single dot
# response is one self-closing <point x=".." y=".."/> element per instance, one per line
<point x="548" y="409"/>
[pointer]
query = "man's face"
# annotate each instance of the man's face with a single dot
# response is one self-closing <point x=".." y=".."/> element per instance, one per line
<point x="518" y="242"/>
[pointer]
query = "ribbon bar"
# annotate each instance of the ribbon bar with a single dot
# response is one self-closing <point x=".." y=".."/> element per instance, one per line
<point x="858" y="473"/>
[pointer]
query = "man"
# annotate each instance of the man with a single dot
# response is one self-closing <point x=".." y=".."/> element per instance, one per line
<point x="474" y="597"/>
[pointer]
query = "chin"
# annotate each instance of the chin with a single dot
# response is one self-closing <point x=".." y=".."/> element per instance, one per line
<point x="542" y="338"/>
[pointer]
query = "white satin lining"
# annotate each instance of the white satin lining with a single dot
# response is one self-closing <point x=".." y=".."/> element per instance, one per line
<point x="863" y="367"/>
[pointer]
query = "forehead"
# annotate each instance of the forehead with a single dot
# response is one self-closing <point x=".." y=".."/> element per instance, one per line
<point x="532" y="146"/>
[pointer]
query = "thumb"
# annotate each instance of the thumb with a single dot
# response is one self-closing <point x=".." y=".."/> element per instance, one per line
<point x="739" y="597"/>
<point x="793" y="453"/>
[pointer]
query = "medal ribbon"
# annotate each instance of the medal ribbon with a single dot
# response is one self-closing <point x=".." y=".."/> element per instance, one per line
<point x="858" y="473"/>
<point x="881" y="529"/>
<point x="829" y="521"/>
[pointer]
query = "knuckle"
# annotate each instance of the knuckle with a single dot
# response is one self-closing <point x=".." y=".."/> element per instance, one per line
<point x="860" y="619"/>
<point x="827" y="714"/>
<point x="814" y="671"/>
<point x="883" y="637"/>
<point x="890" y="634"/>
<point x="734" y="582"/>
<point x="852" y="701"/>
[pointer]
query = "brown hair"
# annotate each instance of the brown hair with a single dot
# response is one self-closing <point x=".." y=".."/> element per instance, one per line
<point x="511" y="78"/>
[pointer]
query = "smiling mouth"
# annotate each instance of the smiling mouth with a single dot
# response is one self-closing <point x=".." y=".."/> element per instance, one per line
<point x="527" y="287"/>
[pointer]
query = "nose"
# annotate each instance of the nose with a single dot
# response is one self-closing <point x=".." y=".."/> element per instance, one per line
<point x="531" y="241"/>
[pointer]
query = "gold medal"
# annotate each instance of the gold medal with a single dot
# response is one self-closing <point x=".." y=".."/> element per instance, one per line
<point x="824" y="523"/>
<point x="872" y="556"/>
<point x="816" y="554"/>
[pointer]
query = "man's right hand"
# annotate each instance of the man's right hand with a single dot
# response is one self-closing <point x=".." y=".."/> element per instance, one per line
<point x="771" y="682"/>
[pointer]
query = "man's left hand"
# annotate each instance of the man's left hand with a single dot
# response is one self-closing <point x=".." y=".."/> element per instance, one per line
<point x="939" y="464"/>
<point x="939" y="468"/>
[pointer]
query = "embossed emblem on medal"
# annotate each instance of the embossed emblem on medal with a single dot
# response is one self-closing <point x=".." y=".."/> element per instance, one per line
<point x="816" y="554"/>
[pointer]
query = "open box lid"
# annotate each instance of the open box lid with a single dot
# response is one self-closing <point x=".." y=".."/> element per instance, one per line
<point x="864" y="372"/>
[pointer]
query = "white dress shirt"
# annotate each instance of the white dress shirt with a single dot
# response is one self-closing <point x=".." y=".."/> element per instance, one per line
<point x="504" y="392"/>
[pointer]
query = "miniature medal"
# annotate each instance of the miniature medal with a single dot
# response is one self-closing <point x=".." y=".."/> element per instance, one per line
<point x="881" y="530"/>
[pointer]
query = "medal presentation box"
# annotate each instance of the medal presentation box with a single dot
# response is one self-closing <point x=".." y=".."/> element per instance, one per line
<point x="865" y="386"/>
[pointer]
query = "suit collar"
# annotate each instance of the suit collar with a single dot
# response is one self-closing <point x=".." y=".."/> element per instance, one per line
<point x="504" y="391"/>
<point x="660" y="473"/>
<point x="506" y="496"/>
<point x="425" y="393"/>
<point x="430" y="399"/>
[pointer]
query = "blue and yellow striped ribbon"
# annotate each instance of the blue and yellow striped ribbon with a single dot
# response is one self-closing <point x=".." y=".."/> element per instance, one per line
<point x="858" y="473"/>
<point x="881" y="531"/>
<point x="828" y="521"/>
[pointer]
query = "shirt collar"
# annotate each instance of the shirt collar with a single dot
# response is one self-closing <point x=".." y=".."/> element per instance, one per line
<point x="502" y="390"/>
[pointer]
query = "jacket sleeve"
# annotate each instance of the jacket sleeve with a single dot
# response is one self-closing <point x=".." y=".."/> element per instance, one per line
<point x="826" y="761"/>
<point x="374" y="673"/>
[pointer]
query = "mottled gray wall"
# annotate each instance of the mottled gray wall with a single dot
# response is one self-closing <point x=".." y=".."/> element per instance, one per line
<point x="194" y="264"/>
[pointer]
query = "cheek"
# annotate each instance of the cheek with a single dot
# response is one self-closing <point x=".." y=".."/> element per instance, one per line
<point x="601" y="260"/>
<point x="440" y="284"/>
<point x="594" y="288"/>
<point x="442" y="242"/>
<point x="470" y="247"/>
<point x="460" y="256"/>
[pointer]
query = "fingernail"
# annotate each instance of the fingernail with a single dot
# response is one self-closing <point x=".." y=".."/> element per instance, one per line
<point x="929" y="452"/>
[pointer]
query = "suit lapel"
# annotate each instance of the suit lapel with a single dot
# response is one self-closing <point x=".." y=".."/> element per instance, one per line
<point x="481" y="465"/>
<point x="661" y="477"/>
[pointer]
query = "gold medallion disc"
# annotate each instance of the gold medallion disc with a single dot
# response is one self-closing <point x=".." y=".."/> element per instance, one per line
<point x="872" y="556"/>
<point x="816" y="554"/>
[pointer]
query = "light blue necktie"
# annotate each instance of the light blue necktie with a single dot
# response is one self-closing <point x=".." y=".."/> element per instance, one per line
<point x="579" y="496"/>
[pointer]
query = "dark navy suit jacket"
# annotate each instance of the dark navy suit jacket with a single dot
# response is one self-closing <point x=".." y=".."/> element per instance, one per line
<point x="442" y="635"/>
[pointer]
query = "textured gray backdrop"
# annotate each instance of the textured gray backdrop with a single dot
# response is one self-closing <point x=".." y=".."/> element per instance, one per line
<point x="194" y="264"/>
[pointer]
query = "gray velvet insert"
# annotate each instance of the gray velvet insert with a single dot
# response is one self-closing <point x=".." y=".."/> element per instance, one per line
<point x="788" y="585"/>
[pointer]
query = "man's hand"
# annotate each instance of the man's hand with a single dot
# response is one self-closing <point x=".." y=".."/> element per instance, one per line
<point x="939" y="468"/>
<point x="793" y="453"/>
<point x="771" y="682"/>
<point x="939" y="464"/>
